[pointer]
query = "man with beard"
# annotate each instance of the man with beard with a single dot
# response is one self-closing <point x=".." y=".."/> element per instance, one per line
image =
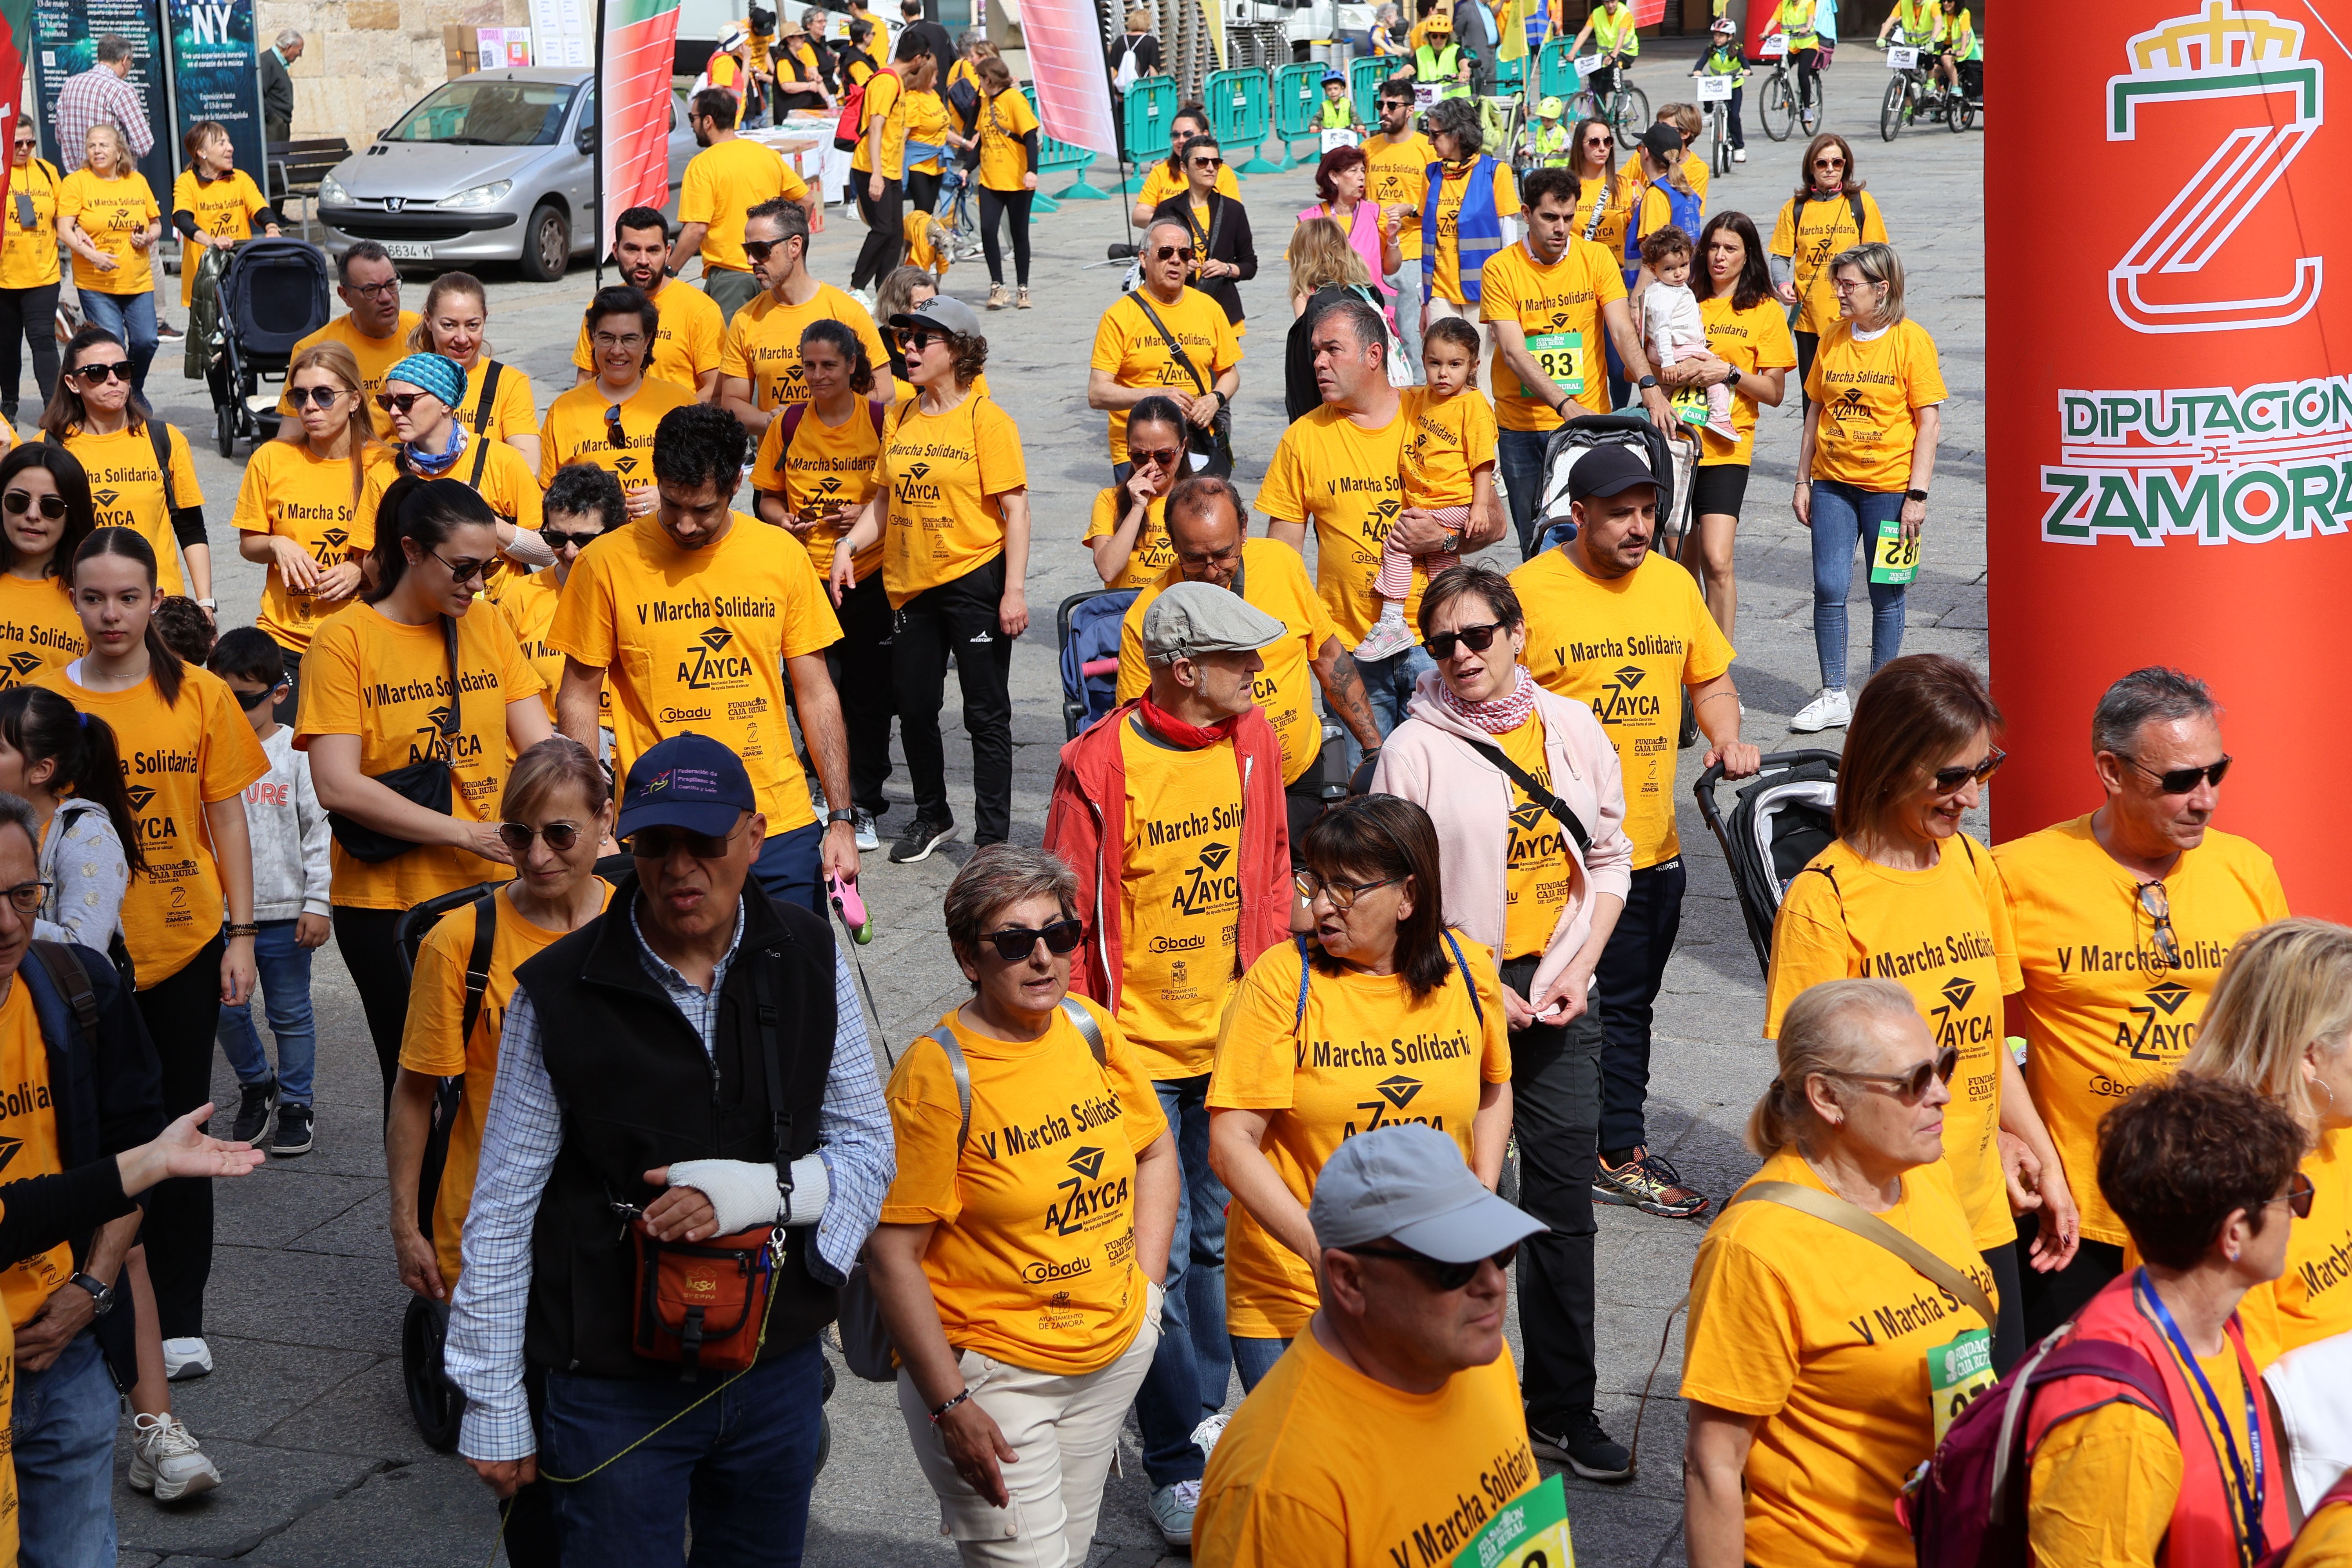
<point x="685" y="348"/>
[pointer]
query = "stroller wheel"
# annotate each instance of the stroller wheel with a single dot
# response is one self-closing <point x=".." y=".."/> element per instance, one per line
<point x="224" y="430"/>
<point x="433" y="1402"/>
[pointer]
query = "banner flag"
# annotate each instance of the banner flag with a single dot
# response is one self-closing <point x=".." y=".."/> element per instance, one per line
<point x="1514" y="46"/>
<point x="1066" y="66"/>
<point x="637" y="41"/>
<point x="15" y="48"/>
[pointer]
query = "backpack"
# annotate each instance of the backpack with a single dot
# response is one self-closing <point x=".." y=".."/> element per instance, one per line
<point x="852" y="123"/>
<point x="1684" y="211"/>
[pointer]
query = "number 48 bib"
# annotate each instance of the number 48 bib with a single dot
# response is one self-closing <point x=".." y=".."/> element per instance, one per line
<point x="1561" y="356"/>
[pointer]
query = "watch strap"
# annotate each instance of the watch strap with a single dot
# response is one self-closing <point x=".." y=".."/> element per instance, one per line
<point x="101" y="1293"/>
<point x="832" y="816"/>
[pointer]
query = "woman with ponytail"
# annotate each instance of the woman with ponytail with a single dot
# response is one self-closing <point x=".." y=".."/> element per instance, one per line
<point x="152" y="474"/>
<point x="377" y="708"/>
<point x="45" y="514"/>
<point x="192" y="754"/>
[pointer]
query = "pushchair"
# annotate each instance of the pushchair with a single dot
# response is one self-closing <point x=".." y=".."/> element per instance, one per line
<point x="1780" y="820"/>
<point x="1086" y="627"/>
<point x="1673" y="460"/>
<point x="273" y="294"/>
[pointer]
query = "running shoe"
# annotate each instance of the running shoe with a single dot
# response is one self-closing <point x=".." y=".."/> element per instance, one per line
<point x="166" y="332"/>
<point x="166" y="1461"/>
<point x="1385" y="640"/>
<point x="294" y="1135"/>
<point x="1829" y="709"/>
<point x="869" y="838"/>
<point x="997" y="297"/>
<point x="1649" y="1183"/>
<point x="255" y="1102"/>
<point x="1205" y="1436"/>
<point x="918" y="840"/>
<point x="1021" y="300"/>
<point x="1739" y="154"/>
<point x="1172" y="1508"/>
<point x="1585" y="1449"/>
<point x="184" y="1359"/>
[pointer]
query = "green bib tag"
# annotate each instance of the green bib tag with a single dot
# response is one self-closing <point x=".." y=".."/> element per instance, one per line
<point x="1561" y="356"/>
<point x="1528" y="1531"/>
<point x="1957" y="1374"/>
<point x="1689" y="405"/>
<point x="1895" y="559"/>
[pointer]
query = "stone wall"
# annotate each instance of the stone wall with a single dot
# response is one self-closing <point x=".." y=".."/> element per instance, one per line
<point x="364" y="61"/>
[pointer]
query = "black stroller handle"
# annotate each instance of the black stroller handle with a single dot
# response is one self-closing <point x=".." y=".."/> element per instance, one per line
<point x="1703" y="786"/>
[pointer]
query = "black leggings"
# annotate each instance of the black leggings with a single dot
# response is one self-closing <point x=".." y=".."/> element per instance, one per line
<point x="861" y="673"/>
<point x="2009" y="1328"/>
<point x="364" y="939"/>
<point x="958" y="617"/>
<point x="1015" y="203"/>
<point x="181" y="1011"/>
<point x="886" y="231"/>
<point x="29" y="316"/>
<point x="1809" y="66"/>
<point x="1807" y="344"/>
<point x="923" y="192"/>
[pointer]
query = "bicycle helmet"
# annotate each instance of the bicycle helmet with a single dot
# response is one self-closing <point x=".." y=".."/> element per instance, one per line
<point x="1551" y="109"/>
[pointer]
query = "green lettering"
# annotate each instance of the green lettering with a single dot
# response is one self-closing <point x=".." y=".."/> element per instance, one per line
<point x="2194" y="509"/>
<point x="2118" y="509"/>
<point x="2314" y="505"/>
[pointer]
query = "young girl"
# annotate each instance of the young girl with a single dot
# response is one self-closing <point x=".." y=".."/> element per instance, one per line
<point x="191" y="756"/>
<point x="45" y="514"/>
<point x="1671" y="328"/>
<point x="1449" y="471"/>
<point x="1128" y="531"/>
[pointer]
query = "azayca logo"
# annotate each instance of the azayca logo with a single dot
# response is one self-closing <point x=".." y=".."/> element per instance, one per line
<point x="1391" y="1096"/>
<point x="1954" y="1025"/>
<point x="2151" y="1030"/>
<point x="1087" y="1202"/>
<point x="1211" y="882"/>
<point x="1620" y="699"/>
<point x="712" y="661"/>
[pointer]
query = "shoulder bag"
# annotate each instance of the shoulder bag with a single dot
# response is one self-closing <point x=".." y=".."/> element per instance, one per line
<point x="424" y="784"/>
<point x="1856" y="1220"/>
<point x="1212" y="449"/>
<point x="1536" y="792"/>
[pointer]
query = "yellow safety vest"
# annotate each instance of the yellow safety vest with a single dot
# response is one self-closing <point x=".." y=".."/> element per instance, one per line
<point x="1616" y="32"/>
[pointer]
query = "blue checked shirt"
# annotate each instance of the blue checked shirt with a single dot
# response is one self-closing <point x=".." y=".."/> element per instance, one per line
<point x="484" y="1354"/>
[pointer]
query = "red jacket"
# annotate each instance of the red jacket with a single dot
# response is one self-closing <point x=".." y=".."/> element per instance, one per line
<point x="1093" y="781"/>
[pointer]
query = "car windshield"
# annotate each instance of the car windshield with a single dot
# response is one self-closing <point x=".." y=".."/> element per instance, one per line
<point x="488" y="114"/>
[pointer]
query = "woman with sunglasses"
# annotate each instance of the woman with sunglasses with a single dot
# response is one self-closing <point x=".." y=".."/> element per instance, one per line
<point x="1592" y="157"/>
<point x="1380" y="1015"/>
<point x="1020" y="1344"/>
<point x="610" y="421"/>
<point x="454" y="325"/>
<point x="904" y="291"/>
<point x="1165" y="177"/>
<point x="1904" y="891"/>
<point x="29" y="277"/>
<point x="1820" y="1366"/>
<point x="1224" y="256"/>
<point x="45" y="514"/>
<point x="298" y="511"/>
<point x="422" y="394"/>
<point x="97" y="415"/>
<point x="107" y="217"/>
<point x="1829" y="214"/>
<point x="582" y="505"/>
<point x="1129" y="530"/>
<point x="376" y="702"/>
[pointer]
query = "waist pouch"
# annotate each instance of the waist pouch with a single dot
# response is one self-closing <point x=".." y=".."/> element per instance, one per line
<point x="704" y="1304"/>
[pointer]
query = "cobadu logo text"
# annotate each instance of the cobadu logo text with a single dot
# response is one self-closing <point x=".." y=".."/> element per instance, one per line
<point x="712" y="659"/>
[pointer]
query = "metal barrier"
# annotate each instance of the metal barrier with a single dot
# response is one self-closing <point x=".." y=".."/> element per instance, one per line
<point x="1556" y="72"/>
<point x="1510" y="76"/>
<point x="1145" y="115"/>
<point x="1053" y="156"/>
<point x="1297" y="90"/>
<point x="1364" y="79"/>
<point x="1241" y="114"/>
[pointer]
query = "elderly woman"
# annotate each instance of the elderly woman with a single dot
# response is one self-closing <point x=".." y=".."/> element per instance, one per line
<point x="1021" y="1342"/>
<point x="1380" y="1015"/>
<point x="28" y="269"/>
<point x="1462" y="213"/>
<point x="1371" y="230"/>
<point x="107" y="217"/>
<point x="1224" y="257"/>
<point x="1816" y="1360"/>
<point x="1903" y="879"/>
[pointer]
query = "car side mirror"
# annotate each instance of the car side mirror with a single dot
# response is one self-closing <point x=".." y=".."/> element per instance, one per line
<point x="586" y="139"/>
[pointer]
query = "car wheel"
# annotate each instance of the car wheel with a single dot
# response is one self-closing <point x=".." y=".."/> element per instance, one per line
<point x="547" y="244"/>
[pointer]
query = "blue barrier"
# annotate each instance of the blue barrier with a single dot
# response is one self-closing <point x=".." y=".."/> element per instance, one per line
<point x="1297" y="96"/>
<point x="1241" y="111"/>
<point x="1364" y="79"/>
<point x="1053" y="156"/>
<point x="1556" y="72"/>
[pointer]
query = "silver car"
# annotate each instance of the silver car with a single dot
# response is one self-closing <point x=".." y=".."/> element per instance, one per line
<point x="497" y="166"/>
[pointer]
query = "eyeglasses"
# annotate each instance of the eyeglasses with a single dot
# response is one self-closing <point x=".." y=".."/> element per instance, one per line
<point x="661" y="843"/>
<point x="98" y="373"/>
<point x="1480" y="639"/>
<point x="19" y="502"/>
<point x="1015" y="943"/>
<point x="516" y="835"/>
<point x="1446" y="1276"/>
<point x="1343" y="895"/>
<point x="249" y="700"/>
<point x="1950" y="779"/>
<point x="557" y="539"/>
<point x="613" y="435"/>
<point x="2180" y="781"/>
<point x="631" y="341"/>
<point x="324" y="397"/>
<point x="1209" y="557"/>
<point x="459" y="571"/>
<point x="1161" y="457"/>
<point x="400" y="402"/>
<point x="2158" y="904"/>
<point x="1910" y="1085"/>
<point x="1169" y="252"/>
<point x="388" y="289"/>
<point x="2297" y="1196"/>
<point x="25" y="899"/>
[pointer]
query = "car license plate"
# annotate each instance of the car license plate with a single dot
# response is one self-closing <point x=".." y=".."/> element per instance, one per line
<point x="408" y="250"/>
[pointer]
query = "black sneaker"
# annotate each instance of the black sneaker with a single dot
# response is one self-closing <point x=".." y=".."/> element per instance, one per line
<point x="166" y="332"/>
<point x="293" y="1134"/>
<point x="255" y="1101"/>
<point x="1585" y="1449"/>
<point x="920" y="839"/>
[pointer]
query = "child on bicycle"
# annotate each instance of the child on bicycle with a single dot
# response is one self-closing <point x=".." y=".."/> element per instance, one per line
<point x="1448" y="469"/>
<point x="1671" y="327"/>
<point x="1724" y="57"/>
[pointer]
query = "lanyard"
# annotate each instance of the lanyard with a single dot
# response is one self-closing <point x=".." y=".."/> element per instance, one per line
<point x="2252" y="1540"/>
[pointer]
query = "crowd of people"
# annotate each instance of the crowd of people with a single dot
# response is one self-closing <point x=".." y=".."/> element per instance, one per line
<point x="1290" y="993"/>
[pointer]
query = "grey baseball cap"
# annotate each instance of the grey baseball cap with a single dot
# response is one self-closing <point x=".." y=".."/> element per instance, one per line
<point x="1410" y="1183"/>
<point x="1193" y="618"/>
<point x="941" y="310"/>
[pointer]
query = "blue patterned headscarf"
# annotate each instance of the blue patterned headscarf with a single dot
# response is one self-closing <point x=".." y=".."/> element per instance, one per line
<point x="444" y="378"/>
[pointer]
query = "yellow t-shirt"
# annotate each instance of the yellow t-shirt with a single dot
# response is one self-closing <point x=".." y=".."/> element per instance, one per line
<point x="376" y="357"/>
<point x="1180" y="898"/>
<point x="1349" y="482"/>
<point x="1153" y="554"/>
<point x="826" y="467"/>
<point x="515" y="412"/>
<point x="1130" y="348"/>
<point x="1450" y="439"/>
<point x="1558" y="309"/>
<point x="289" y="491"/>
<point x="723" y="183"/>
<point x="885" y="100"/>
<point x="762" y="345"/>
<point x="508" y="486"/>
<point x="1810" y="233"/>
<point x="1158" y="184"/>
<point x="529" y="600"/>
<point x="947" y="475"/>
<point x="39" y="628"/>
<point x="927" y="122"/>
<point x="2312" y="1300"/>
<point x="1323" y="1465"/>
<point x="1397" y="175"/>
<point x="1609" y="231"/>
<point x="110" y="212"/>
<point x="1273" y="578"/>
<point x="1368" y="1055"/>
<point x="1032" y="1259"/>
<point x="429" y="1043"/>
<point x="1656" y="211"/>
<point x="176" y="759"/>
<point x="2103" y="1012"/>
<point x="1823" y="1336"/>
<point x="685" y="344"/>
<point x="697" y="640"/>
<point x="576" y="431"/>
<point x="1870" y="394"/>
<point x="28" y="1120"/>
<point x="28" y="257"/>
<point x="224" y="207"/>
<point x="1625" y="648"/>
<point x="127" y="490"/>
<point x="386" y="683"/>
<point x="1002" y="159"/>
<point x="1538" y="869"/>
<point x="1454" y="183"/>
<point x="2325" y="1540"/>
<point x="1943" y="936"/>
<point x="1751" y="339"/>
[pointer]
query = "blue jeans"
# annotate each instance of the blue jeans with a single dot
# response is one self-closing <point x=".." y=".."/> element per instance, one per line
<point x="131" y="318"/>
<point x="1188" y="1375"/>
<point x="1519" y="455"/>
<point x="63" y="1427"/>
<point x="789" y="869"/>
<point x="738" y="1467"/>
<point x="1844" y="516"/>
<point x="285" y="971"/>
<point x="1254" y="1358"/>
<point x="1389" y="683"/>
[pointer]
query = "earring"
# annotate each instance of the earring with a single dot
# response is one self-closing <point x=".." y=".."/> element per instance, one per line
<point x="2321" y="1084"/>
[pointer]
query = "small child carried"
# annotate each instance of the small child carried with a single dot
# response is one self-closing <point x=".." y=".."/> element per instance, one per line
<point x="1672" y="330"/>
<point x="1447" y="471"/>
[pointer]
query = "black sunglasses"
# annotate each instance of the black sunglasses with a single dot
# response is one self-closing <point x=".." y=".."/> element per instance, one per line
<point x="1015" y="943"/>
<point x="1480" y="639"/>
<point x="1950" y="779"/>
<point x="459" y="571"/>
<point x="400" y="402"/>
<point x="516" y="835"/>
<point x="755" y="251"/>
<point x="19" y="502"/>
<point x="1163" y="457"/>
<point x="661" y="843"/>
<point x="249" y="700"/>
<point x="614" y="434"/>
<point x="1910" y="1085"/>
<point x="1169" y="252"/>
<point x="2297" y="1196"/>
<point x="98" y="373"/>
<point x="1446" y="1276"/>
<point x="1205" y="163"/>
<point x="2180" y="781"/>
<point x="557" y="539"/>
<point x="324" y="397"/>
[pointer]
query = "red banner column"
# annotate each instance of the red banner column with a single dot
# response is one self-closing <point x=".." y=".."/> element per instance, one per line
<point x="2168" y="377"/>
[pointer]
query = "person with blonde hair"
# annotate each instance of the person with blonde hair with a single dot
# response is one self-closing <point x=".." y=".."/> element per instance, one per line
<point x="107" y="217"/>
<point x="498" y="404"/>
<point x="1325" y="268"/>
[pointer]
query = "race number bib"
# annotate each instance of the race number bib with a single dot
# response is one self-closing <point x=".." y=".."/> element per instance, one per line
<point x="1561" y="356"/>
<point x="1897" y="559"/>
<point x="1957" y="1374"/>
<point x="1690" y="404"/>
<point x="1587" y="64"/>
<point x="1902" y="59"/>
<point x="1775" y="45"/>
<point x="1425" y="95"/>
<point x="1715" y="89"/>
<point x="1340" y="138"/>
<point x="1528" y="1531"/>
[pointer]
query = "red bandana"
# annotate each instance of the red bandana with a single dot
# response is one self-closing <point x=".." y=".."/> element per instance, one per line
<point x="1176" y="732"/>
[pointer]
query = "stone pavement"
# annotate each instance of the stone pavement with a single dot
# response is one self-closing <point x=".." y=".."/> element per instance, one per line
<point x="304" y="1413"/>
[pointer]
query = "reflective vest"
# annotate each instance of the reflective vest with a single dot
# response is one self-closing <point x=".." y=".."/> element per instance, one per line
<point x="1441" y="66"/>
<point x="1552" y="145"/>
<point x="1616" y="32"/>
<point x="1795" y="17"/>
<point x="1336" y="114"/>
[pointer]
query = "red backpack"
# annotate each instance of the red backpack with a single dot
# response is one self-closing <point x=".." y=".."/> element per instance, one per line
<point x="851" y="126"/>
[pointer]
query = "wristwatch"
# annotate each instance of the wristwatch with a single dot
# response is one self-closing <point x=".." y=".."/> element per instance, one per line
<point x="1915" y="495"/>
<point x="832" y="816"/>
<point x="101" y="1294"/>
<point x="1647" y="383"/>
<point x="209" y="604"/>
<point x="1732" y="379"/>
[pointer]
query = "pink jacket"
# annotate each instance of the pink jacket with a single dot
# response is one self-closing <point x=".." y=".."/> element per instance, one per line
<point x="1364" y="236"/>
<point x="1427" y="759"/>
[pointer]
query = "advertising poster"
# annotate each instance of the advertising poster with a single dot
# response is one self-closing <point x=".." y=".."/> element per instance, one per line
<point x="65" y="43"/>
<point x="216" y="74"/>
<point x="503" y="46"/>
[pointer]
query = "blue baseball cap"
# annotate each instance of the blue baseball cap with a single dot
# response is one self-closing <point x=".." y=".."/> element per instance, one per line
<point x="689" y="781"/>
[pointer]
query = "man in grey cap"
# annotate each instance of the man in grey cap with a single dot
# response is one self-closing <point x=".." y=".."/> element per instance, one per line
<point x="1391" y="1427"/>
<point x="1169" y="809"/>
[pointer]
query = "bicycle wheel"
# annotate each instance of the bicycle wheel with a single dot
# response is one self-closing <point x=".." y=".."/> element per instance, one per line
<point x="1890" y="109"/>
<point x="1631" y="116"/>
<point x="1582" y="106"/>
<point x="1722" y="158"/>
<point x="1777" y="107"/>
<point x="1964" y="113"/>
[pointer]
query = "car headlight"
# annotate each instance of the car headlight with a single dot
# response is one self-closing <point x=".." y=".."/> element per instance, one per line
<point x="331" y="189"/>
<point x="480" y="196"/>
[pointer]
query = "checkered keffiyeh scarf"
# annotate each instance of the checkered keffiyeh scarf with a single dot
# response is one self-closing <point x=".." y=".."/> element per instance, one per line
<point x="1502" y="714"/>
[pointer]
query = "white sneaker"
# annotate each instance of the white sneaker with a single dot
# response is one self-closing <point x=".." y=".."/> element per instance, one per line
<point x="1828" y="711"/>
<point x="1172" y="1508"/>
<point x="1388" y="638"/>
<point x="1205" y="1436"/>
<point x="165" y="1461"/>
<point x="184" y="1359"/>
<point x="1739" y="154"/>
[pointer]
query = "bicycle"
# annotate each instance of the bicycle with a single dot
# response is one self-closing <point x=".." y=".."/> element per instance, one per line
<point x="1715" y="102"/>
<point x="1911" y="93"/>
<point x="1777" y="106"/>
<point x="1625" y="109"/>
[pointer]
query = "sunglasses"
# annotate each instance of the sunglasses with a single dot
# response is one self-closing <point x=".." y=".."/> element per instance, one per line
<point x="19" y="502"/>
<point x="1950" y="779"/>
<point x="459" y="571"/>
<point x="915" y="339"/>
<point x="26" y="898"/>
<point x="98" y="373"/>
<point x="516" y="835"/>
<point x="1828" y="163"/>
<point x="1913" y="1084"/>
<point x="324" y="397"/>
<point x="2297" y="1196"/>
<point x="1169" y="252"/>
<point x="249" y="700"/>
<point x="661" y="843"/>
<point x="2158" y="904"/>
<point x="1205" y="163"/>
<point x="614" y="434"/>
<point x="1480" y="639"/>
<point x="1446" y="1276"/>
<point x="1015" y="943"/>
<point x="1164" y="458"/>
<point x="557" y="539"/>
<point x="400" y="403"/>
<point x="1343" y="895"/>
<point x="755" y="251"/>
<point x="2180" y="781"/>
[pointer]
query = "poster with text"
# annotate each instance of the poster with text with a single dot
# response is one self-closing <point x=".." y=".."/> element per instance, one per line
<point x="216" y="74"/>
<point x="65" y="43"/>
<point x="15" y="48"/>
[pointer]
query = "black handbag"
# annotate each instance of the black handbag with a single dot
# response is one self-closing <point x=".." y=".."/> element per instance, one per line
<point x="1215" y="442"/>
<point x="424" y="784"/>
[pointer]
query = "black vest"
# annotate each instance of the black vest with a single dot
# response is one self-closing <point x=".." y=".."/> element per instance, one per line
<point x="639" y="1092"/>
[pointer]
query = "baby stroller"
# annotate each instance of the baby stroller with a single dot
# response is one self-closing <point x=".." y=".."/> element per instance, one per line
<point x="1088" y="629"/>
<point x="1781" y="819"/>
<point x="1674" y="461"/>
<point x="273" y="294"/>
